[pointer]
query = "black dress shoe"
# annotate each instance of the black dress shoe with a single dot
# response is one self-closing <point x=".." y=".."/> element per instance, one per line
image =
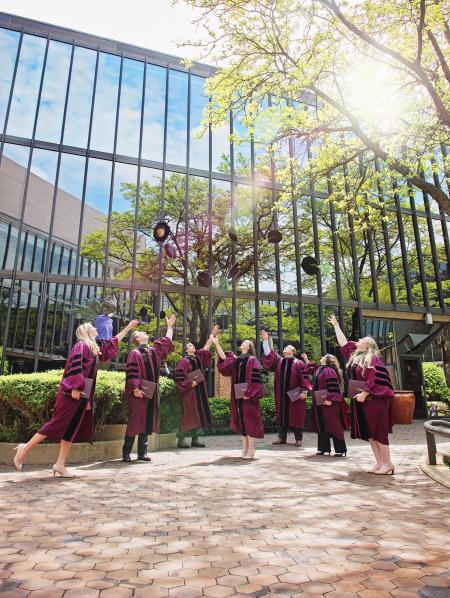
<point x="143" y="458"/>
<point x="126" y="458"/>
<point x="197" y="443"/>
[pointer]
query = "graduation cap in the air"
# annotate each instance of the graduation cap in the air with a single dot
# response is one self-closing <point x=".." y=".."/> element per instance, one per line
<point x="204" y="279"/>
<point x="310" y="265"/>
<point x="232" y="234"/>
<point x="161" y="232"/>
<point x="162" y="314"/>
<point x="274" y="236"/>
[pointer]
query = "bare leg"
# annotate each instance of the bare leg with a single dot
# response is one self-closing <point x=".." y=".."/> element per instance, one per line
<point x="60" y="465"/>
<point x="251" y="448"/>
<point x="22" y="450"/>
<point x="386" y="463"/>
<point x="244" y="446"/>
<point x="64" y="449"/>
<point x="376" y="452"/>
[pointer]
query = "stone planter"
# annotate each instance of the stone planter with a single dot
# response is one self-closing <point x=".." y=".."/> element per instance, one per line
<point x="83" y="452"/>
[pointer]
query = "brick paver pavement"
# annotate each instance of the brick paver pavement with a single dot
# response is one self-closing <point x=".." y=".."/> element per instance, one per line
<point x="199" y="523"/>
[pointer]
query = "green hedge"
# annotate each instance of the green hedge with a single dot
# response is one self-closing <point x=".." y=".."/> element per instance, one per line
<point x="26" y="402"/>
<point x="436" y="388"/>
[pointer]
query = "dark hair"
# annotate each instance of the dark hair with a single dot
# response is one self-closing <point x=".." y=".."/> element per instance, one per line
<point x="332" y="362"/>
<point x="251" y="347"/>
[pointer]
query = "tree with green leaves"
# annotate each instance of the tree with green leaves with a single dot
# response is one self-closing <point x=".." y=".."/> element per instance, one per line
<point x="353" y="84"/>
<point x="199" y="242"/>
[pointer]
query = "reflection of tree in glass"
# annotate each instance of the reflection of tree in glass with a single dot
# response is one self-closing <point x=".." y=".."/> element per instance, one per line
<point x="120" y="245"/>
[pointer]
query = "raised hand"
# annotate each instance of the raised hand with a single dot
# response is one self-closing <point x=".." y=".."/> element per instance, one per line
<point x="305" y="358"/>
<point x="264" y="335"/>
<point x="333" y="320"/>
<point x="171" y="321"/>
<point x="132" y="324"/>
<point x="216" y="330"/>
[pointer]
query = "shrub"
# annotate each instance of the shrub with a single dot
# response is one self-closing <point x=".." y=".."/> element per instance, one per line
<point x="436" y="388"/>
<point x="26" y="402"/>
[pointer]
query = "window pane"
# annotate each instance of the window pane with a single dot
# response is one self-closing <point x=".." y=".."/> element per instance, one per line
<point x="4" y="233"/>
<point x="13" y="170"/>
<point x="177" y="118"/>
<point x="244" y="231"/>
<point x="9" y="42"/>
<point x="130" y="108"/>
<point x="54" y="91"/>
<point x="28" y="254"/>
<point x="104" y="123"/>
<point x="38" y="207"/>
<point x="222" y="259"/>
<point x="68" y="200"/>
<point x="80" y="98"/>
<point x="199" y="148"/>
<point x="26" y="88"/>
<point x="96" y="207"/>
<point x="153" y="131"/>
<point x="39" y="257"/>
<point x="221" y="149"/>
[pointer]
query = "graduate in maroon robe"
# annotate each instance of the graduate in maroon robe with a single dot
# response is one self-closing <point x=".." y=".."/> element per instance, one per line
<point x="289" y="375"/>
<point x="144" y="363"/>
<point x="329" y="420"/>
<point x="370" y="410"/>
<point x="73" y="415"/>
<point x="195" y="412"/>
<point x="245" y="413"/>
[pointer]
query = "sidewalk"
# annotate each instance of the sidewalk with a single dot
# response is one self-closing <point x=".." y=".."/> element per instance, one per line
<point x="199" y="522"/>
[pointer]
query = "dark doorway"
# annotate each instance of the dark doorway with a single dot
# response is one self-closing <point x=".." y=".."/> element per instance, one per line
<point x="412" y="377"/>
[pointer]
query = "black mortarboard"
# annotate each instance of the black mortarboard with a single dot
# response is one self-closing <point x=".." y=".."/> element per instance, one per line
<point x="274" y="236"/>
<point x="161" y="231"/>
<point x="204" y="279"/>
<point x="310" y="265"/>
<point x="162" y="314"/>
<point x="232" y="234"/>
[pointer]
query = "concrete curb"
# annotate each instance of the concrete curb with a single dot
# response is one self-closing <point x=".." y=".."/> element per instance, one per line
<point x="439" y="473"/>
<point x="103" y="450"/>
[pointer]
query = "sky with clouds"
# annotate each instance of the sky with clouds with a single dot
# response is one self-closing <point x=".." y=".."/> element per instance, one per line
<point x="154" y="24"/>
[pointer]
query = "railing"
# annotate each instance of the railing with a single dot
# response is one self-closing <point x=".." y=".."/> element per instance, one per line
<point x="434" y="428"/>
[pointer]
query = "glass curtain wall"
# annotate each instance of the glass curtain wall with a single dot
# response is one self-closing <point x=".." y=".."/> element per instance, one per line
<point x="97" y="147"/>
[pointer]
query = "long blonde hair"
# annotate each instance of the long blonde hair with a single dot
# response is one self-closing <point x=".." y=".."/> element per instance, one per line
<point x="82" y="334"/>
<point x="363" y="359"/>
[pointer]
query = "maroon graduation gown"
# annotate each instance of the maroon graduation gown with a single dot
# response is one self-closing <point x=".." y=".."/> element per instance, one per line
<point x="371" y="419"/>
<point x="144" y="363"/>
<point x="289" y="374"/>
<point x="245" y="414"/>
<point x="73" y="419"/>
<point x="195" y="412"/>
<point x="328" y="418"/>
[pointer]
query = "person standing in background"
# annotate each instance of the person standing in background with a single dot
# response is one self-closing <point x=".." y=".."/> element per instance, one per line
<point x="144" y="364"/>
<point x="289" y="375"/>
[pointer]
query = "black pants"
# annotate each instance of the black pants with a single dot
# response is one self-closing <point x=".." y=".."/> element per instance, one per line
<point x="324" y="443"/>
<point x="142" y="438"/>
<point x="142" y="444"/>
<point x="283" y="431"/>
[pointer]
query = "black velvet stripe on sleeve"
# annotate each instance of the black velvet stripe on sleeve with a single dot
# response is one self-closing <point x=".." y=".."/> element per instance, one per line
<point x="131" y="376"/>
<point x="73" y="372"/>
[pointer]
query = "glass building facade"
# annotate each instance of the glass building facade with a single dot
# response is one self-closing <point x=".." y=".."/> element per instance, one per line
<point x="100" y="141"/>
